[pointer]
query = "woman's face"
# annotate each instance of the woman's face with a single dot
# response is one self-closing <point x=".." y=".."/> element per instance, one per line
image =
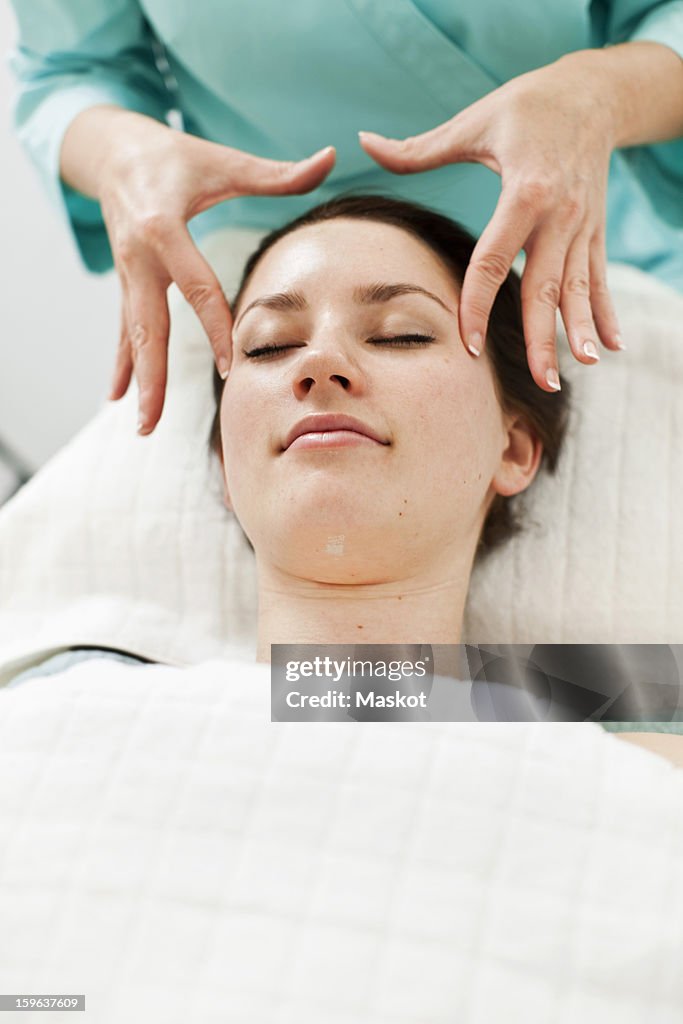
<point x="313" y="337"/>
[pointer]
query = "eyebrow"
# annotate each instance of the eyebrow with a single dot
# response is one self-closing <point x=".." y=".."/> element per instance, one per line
<point x="295" y="302"/>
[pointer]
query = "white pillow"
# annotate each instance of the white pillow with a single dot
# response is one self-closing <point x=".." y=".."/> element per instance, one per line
<point x="121" y="541"/>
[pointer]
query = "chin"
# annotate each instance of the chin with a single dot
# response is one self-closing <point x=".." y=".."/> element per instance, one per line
<point x="333" y="551"/>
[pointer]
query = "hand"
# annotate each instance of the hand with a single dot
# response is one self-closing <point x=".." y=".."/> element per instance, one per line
<point x="151" y="181"/>
<point x="549" y="134"/>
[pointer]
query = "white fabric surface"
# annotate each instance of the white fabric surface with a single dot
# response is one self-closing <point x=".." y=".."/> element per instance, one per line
<point x="174" y="855"/>
<point x="124" y="542"/>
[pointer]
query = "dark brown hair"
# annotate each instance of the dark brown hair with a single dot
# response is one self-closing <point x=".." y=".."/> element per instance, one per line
<point x="545" y="413"/>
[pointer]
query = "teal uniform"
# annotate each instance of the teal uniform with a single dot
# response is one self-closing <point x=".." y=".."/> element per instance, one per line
<point x="284" y="80"/>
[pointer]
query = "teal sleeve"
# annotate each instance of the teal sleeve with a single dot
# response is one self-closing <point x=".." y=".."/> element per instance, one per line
<point x="71" y="55"/>
<point x="659" y="167"/>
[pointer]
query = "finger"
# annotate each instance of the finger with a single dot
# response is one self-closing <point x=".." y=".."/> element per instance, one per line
<point x="235" y="173"/>
<point x="575" y="302"/>
<point x="510" y="226"/>
<point x="540" y="293"/>
<point x="601" y="302"/>
<point x="458" y="139"/>
<point x="123" y="369"/>
<point x="200" y="286"/>
<point x="148" y="325"/>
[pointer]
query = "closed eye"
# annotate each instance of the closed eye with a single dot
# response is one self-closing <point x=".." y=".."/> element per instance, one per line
<point x="404" y="340"/>
<point x="395" y="341"/>
<point x="269" y="350"/>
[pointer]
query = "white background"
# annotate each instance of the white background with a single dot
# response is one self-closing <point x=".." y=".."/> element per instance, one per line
<point x="58" y="323"/>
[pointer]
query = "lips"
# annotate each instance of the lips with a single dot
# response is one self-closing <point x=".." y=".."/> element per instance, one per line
<point x="328" y="422"/>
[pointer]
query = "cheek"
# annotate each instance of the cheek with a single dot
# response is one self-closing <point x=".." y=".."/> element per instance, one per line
<point x="458" y="425"/>
<point x="242" y="423"/>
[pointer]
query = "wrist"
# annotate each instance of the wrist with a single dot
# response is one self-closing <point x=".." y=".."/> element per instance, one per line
<point x="594" y="79"/>
<point x="638" y="84"/>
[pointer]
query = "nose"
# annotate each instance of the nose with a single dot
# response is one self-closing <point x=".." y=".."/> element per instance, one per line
<point x="326" y="366"/>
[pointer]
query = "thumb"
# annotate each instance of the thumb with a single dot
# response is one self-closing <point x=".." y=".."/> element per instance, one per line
<point x="261" y="176"/>
<point x="448" y="143"/>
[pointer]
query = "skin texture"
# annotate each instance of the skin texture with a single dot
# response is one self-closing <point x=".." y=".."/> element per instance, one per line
<point x="373" y="542"/>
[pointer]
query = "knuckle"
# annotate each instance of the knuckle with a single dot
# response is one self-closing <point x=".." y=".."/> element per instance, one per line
<point x="548" y="293"/>
<point x="585" y="324"/>
<point x="536" y="193"/>
<point x="545" y="347"/>
<point x="571" y="211"/>
<point x="406" y="152"/>
<point x="599" y="287"/>
<point x="577" y="284"/>
<point x="140" y="337"/>
<point x="409" y="146"/>
<point x="201" y="294"/>
<point x="278" y="169"/>
<point x="492" y="265"/>
<point x="153" y="226"/>
<point x="125" y="249"/>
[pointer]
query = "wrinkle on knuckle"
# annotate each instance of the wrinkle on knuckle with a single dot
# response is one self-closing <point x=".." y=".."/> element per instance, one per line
<point x="548" y="293"/>
<point x="544" y="347"/>
<point x="577" y="284"/>
<point x="201" y="295"/>
<point x="140" y="337"/>
<point x="584" y="325"/>
<point x="492" y="265"/>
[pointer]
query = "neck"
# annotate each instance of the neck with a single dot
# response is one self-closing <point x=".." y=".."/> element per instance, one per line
<point x="426" y="609"/>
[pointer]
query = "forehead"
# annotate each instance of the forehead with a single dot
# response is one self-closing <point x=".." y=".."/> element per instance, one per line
<point x="342" y="252"/>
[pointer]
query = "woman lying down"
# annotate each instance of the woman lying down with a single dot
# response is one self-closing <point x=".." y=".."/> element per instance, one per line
<point x="367" y="456"/>
<point x="195" y="856"/>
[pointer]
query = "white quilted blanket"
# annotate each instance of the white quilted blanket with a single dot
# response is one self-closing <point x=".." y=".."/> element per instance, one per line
<point x="171" y="853"/>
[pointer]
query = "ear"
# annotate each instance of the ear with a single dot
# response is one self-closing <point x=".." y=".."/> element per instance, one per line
<point x="520" y="459"/>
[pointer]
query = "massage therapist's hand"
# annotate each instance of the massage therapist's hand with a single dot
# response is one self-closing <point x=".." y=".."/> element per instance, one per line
<point x="549" y="134"/>
<point x="150" y="180"/>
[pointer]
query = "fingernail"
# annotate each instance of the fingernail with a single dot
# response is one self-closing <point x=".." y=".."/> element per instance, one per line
<point x="553" y="379"/>
<point x="223" y="368"/>
<point x="474" y="344"/>
<point x="590" y="350"/>
<point x="620" y="342"/>
<point x="310" y="159"/>
<point x="374" y="135"/>
<point x="142" y="426"/>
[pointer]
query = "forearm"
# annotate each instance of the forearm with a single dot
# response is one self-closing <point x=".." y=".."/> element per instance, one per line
<point x="642" y="82"/>
<point x="95" y="137"/>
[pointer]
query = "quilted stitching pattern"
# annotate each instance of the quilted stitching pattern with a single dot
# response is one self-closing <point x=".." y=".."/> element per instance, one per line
<point x="162" y="842"/>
